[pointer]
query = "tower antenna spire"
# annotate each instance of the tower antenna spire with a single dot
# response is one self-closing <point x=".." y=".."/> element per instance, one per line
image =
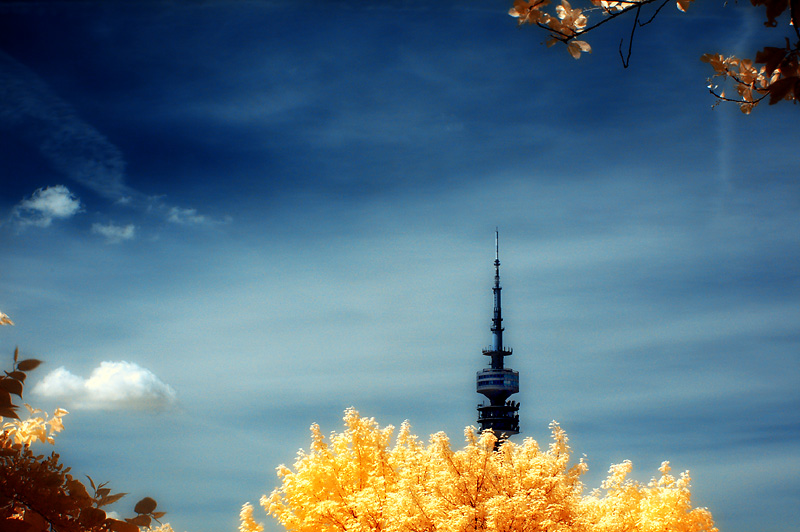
<point x="496" y="382"/>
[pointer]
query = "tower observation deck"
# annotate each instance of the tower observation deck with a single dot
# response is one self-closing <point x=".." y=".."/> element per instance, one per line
<point x="496" y="382"/>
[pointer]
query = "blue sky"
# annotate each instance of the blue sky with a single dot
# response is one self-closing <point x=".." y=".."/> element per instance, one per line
<point x="225" y="221"/>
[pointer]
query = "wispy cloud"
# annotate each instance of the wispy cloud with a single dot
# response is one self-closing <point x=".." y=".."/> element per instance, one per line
<point x="111" y="386"/>
<point x="71" y="146"/>
<point x="114" y="234"/>
<point x="45" y="205"/>
<point x="185" y="216"/>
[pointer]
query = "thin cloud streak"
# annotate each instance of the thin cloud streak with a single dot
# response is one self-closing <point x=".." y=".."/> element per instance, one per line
<point x="73" y="147"/>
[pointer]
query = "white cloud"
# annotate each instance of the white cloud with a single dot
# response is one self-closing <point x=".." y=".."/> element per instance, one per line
<point x="185" y="216"/>
<point x="111" y="386"/>
<point x="114" y="233"/>
<point x="45" y="205"/>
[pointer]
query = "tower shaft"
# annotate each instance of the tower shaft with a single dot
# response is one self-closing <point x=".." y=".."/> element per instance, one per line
<point x="496" y="382"/>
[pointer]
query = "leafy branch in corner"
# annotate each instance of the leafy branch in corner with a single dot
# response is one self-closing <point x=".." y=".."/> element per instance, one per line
<point x="776" y="79"/>
<point x="38" y="493"/>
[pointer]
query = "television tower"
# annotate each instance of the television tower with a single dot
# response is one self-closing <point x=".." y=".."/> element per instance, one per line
<point x="496" y="382"/>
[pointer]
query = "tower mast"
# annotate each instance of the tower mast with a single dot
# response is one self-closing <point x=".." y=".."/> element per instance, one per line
<point x="497" y="383"/>
<point x="497" y="319"/>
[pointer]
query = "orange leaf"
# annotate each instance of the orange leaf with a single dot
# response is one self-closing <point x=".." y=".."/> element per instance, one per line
<point x="145" y="506"/>
<point x="11" y="386"/>
<point x="20" y="376"/>
<point x="774" y="9"/>
<point x="781" y="88"/>
<point x="140" y="520"/>
<point x="28" y="364"/>
<point x="5" y="397"/>
<point x="576" y="47"/>
<point x="78" y="492"/>
<point x="36" y="521"/>
<point x="92" y="517"/>
<point x="121" y="526"/>
<point x="111" y="499"/>
<point x="771" y="57"/>
<point x="8" y="412"/>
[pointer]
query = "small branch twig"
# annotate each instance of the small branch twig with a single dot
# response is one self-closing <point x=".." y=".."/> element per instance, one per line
<point x="655" y="14"/>
<point x="627" y="60"/>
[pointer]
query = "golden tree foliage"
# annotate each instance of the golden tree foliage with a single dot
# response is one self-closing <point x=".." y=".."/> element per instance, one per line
<point x="248" y="523"/>
<point x="38" y="493"/>
<point x="36" y="427"/>
<point x="778" y="77"/>
<point x="359" y="481"/>
<point x="664" y="504"/>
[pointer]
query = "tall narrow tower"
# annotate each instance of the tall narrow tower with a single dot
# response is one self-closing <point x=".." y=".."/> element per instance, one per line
<point x="496" y="382"/>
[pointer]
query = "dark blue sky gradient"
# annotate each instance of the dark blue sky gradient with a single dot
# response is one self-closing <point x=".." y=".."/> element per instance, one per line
<point x="287" y="209"/>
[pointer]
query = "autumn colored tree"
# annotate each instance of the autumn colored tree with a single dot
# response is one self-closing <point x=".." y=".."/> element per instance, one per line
<point x="37" y="492"/>
<point x="776" y="79"/>
<point x="359" y="481"/>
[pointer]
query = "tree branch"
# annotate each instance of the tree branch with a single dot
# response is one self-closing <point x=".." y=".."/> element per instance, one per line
<point x="655" y="14"/>
<point x="610" y="15"/>
<point x="627" y="60"/>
